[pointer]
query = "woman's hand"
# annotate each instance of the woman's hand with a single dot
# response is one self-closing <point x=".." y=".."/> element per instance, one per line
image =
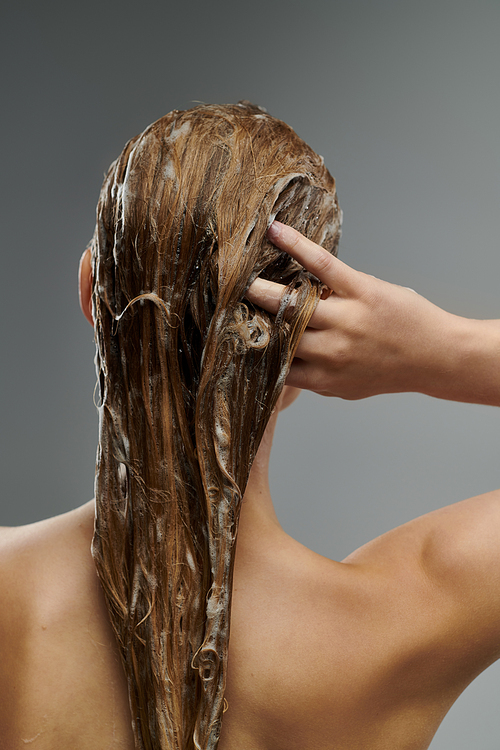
<point x="370" y="337"/>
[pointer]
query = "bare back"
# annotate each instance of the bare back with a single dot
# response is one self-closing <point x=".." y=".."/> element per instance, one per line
<point x="62" y="682"/>
<point x="371" y="652"/>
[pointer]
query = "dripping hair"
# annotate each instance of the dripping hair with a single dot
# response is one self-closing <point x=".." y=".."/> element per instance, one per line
<point x="189" y="373"/>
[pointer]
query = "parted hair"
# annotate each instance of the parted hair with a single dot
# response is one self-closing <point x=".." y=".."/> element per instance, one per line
<point x="189" y="373"/>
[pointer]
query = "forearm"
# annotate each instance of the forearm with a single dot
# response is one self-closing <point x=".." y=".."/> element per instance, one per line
<point x="465" y="364"/>
<point x="371" y="337"/>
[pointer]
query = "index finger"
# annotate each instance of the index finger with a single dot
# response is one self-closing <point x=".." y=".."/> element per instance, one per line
<point x="328" y="269"/>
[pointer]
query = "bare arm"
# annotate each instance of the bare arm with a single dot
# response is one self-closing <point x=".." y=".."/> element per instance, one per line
<point x="443" y="569"/>
<point x="372" y="337"/>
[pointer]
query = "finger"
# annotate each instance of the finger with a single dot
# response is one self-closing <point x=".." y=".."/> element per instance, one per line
<point x="296" y="374"/>
<point x="330" y="270"/>
<point x="306" y="345"/>
<point x="301" y="375"/>
<point x="266" y="294"/>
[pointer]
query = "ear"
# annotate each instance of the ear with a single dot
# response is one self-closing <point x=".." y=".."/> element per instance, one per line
<point x="85" y="285"/>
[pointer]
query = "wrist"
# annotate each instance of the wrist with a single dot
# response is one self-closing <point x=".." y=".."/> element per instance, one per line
<point x="466" y="364"/>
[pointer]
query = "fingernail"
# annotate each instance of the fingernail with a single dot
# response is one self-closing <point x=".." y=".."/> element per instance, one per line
<point x="325" y="293"/>
<point x="274" y="231"/>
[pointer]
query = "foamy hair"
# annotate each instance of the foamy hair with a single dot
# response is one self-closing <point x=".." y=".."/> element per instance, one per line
<point x="189" y="373"/>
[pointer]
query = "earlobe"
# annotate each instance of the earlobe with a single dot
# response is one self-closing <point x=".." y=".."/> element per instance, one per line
<point x="85" y="285"/>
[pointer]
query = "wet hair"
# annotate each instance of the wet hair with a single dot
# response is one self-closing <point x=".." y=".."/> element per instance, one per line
<point x="189" y="373"/>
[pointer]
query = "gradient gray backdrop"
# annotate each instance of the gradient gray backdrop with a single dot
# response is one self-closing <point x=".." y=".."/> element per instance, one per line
<point x="401" y="98"/>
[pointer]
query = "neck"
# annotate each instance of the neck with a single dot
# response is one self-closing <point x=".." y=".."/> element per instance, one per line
<point x="257" y="510"/>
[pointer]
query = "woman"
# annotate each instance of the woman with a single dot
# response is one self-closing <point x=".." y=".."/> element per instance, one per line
<point x="370" y="652"/>
<point x="189" y="375"/>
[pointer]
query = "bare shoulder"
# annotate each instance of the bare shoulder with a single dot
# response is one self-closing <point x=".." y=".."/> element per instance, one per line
<point x="61" y="680"/>
<point x="463" y="537"/>
<point x="10" y="544"/>
<point x="37" y="569"/>
<point x="456" y="550"/>
<point x="19" y="550"/>
<point x="30" y="554"/>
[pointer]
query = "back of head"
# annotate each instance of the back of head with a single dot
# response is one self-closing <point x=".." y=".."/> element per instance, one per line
<point x="189" y="373"/>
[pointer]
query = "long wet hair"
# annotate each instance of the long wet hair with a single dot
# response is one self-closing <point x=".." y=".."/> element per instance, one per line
<point x="189" y="373"/>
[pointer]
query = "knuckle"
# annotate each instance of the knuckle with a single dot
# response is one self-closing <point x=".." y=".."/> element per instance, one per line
<point x="294" y="239"/>
<point x="322" y="263"/>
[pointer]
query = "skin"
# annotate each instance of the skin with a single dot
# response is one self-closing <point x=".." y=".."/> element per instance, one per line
<point x="369" y="652"/>
<point x="372" y="337"/>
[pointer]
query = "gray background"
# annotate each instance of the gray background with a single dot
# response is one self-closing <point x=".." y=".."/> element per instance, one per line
<point x="401" y="98"/>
